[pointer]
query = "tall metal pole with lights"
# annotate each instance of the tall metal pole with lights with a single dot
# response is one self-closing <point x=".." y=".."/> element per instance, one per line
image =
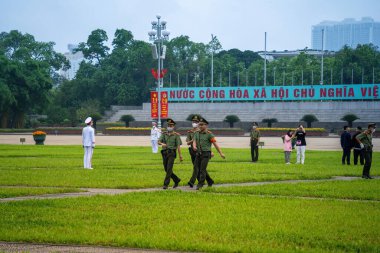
<point x="158" y="35"/>
<point x="322" y="52"/>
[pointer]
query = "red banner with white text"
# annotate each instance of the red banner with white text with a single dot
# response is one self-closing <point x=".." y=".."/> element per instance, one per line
<point x="154" y="104"/>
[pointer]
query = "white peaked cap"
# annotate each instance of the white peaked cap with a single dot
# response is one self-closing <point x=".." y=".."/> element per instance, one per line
<point x="88" y="120"/>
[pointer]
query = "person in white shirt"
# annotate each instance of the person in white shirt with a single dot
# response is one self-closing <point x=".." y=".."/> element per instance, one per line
<point x="88" y="142"/>
<point x="155" y="134"/>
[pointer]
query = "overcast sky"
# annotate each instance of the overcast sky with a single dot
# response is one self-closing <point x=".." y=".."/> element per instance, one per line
<point x="237" y="23"/>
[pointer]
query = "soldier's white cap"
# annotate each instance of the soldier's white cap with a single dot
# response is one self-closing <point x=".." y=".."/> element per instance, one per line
<point x="88" y="120"/>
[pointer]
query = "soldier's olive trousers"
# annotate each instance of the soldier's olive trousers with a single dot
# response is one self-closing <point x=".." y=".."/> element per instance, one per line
<point x="368" y="162"/>
<point x="200" y="164"/>
<point x="254" y="151"/>
<point x="358" y="153"/>
<point x="168" y="157"/>
<point x="196" y="172"/>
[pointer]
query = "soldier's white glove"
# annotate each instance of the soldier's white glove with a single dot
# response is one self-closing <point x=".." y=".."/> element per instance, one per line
<point x="361" y="145"/>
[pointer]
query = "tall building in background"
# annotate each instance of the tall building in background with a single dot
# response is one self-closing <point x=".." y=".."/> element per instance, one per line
<point x="347" y="32"/>
<point x="75" y="59"/>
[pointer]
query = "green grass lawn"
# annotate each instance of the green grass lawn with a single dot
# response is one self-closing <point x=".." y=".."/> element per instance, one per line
<point x="233" y="219"/>
<point x="27" y="191"/>
<point x="197" y="221"/>
<point x="137" y="167"/>
<point x="357" y="189"/>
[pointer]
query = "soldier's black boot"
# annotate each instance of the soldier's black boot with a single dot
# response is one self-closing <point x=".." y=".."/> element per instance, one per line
<point x="176" y="183"/>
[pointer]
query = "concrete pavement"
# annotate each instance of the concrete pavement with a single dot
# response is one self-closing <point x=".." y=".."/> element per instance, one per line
<point x="313" y="143"/>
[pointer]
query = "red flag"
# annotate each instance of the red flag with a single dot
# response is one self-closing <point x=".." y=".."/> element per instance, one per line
<point x="154" y="73"/>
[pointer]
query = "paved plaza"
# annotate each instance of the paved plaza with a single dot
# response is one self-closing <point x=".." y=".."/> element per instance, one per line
<point x="313" y="143"/>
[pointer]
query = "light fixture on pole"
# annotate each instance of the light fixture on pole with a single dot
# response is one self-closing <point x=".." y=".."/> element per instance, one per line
<point x="158" y="35"/>
<point x="265" y="59"/>
<point x="322" y="52"/>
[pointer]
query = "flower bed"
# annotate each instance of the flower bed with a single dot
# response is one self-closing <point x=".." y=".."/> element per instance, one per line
<point x="62" y="130"/>
<point x="145" y="131"/>
<point x="219" y="131"/>
<point x="265" y="132"/>
<point x="15" y="130"/>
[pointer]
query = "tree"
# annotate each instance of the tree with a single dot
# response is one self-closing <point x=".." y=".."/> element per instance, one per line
<point x="190" y="117"/>
<point x="94" y="48"/>
<point x="89" y="108"/>
<point x="270" y="121"/>
<point x="123" y="39"/>
<point x="231" y="119"/>
<point x="309" y="118"/>
<point x="349" y="118"/>
<point x="95" y="117"/>
<point x="26" y="68"/>
<point x="127" y="119"/>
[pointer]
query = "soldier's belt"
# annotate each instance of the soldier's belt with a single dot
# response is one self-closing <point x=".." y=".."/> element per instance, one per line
<point x="203" y="152"/>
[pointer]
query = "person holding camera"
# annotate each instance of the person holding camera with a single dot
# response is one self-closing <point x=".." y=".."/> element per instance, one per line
<point x="300" y="144"/>
<point x="365" y="141"/>
<point x="287" y="139"/>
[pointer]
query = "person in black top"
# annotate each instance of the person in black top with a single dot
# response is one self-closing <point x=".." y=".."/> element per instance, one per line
<point x="346" y="144"/>
<point x="358" y="152"/>
<point x="301" y="144"/>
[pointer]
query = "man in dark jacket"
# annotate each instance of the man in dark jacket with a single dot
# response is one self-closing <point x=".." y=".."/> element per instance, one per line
<point x="358" y="152"/>
<point x="345" y="142"/>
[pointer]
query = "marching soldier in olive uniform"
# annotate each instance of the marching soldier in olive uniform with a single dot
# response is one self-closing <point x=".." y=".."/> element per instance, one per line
<point x="189" y="140"/>
<point x="171" y="143"/>
<point x="365" y="141"/>
<point x="190" y="136"/>
<point x="202" y="145"/>
<point x="255" y="138"/>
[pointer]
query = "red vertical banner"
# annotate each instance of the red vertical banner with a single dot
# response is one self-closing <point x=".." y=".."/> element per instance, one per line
<point x="164" y="104"/>
<point x="154" y="104"/>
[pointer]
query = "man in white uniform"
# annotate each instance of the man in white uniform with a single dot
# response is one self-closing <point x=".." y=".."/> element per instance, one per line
<point x="88" y="142"/>
<point x="155" y="134"/>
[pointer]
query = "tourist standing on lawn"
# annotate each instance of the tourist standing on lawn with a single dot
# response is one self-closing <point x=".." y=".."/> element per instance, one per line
<point x="155" y="134"/>
<point x="202" y="145"/>
<point x="255" y="138"/>
<point x="88" y="143"/>
<point x="346" y="144"/>
<point x="300" y="144"/>
<point x="171" y="143"/>
<point x="365" y="141"/>
<point x="288" y="137"/>
<point x="358" y="152"/>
